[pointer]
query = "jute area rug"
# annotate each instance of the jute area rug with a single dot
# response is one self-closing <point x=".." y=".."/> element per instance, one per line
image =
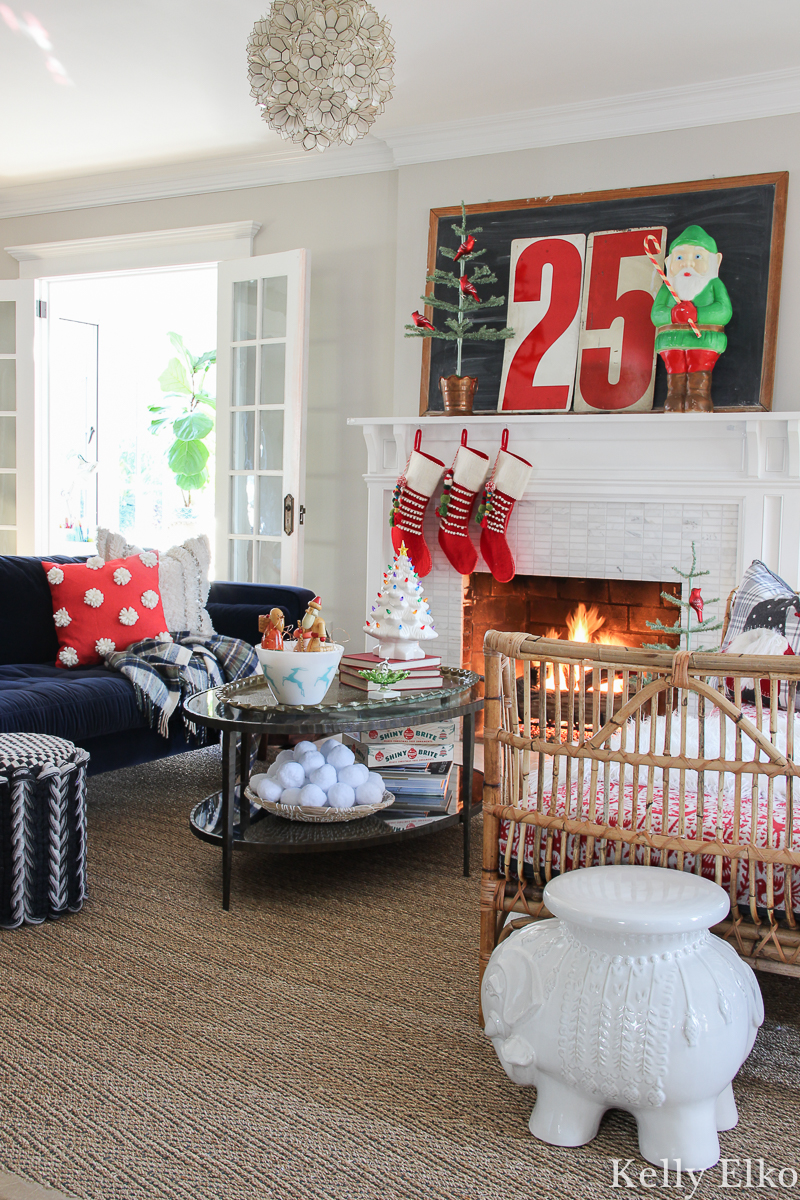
<point x="319" y="1040"/>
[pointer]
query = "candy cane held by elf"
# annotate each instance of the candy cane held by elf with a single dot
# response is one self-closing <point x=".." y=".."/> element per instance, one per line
<point x="651" y="254"/>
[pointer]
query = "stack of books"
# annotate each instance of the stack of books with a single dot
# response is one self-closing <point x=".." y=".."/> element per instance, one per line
<point x="424" y="673"/>
<point x="416" y="765"/>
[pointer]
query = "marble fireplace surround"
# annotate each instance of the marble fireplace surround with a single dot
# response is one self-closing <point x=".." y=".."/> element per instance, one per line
<point x="612" y="496"/>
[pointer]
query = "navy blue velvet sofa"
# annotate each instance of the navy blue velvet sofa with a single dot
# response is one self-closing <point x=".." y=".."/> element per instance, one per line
<point x="91" y="706"/>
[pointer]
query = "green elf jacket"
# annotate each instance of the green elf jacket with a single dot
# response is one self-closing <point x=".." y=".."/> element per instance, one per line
<point x="713" y="306"/>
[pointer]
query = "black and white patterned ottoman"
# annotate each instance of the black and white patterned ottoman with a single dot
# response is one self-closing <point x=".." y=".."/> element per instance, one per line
<point x="42" y="828"/>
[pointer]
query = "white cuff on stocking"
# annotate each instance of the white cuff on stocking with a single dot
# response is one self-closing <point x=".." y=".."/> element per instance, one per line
<point x="423" y="473"/>
<point x="511" y="475"/>
<point x="471" y="469"/>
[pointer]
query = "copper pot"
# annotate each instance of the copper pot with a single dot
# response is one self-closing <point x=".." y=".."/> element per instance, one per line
<point x="458" y="392"/>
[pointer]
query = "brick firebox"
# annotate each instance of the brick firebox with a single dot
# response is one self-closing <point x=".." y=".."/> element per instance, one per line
<point x="535" y="604"/>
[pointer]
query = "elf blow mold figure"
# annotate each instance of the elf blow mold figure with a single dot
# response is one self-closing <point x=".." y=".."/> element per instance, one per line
<point x="692" y="268"/>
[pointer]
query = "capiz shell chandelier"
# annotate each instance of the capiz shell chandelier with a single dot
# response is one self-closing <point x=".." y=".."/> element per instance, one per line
<point x="321" y="70"/>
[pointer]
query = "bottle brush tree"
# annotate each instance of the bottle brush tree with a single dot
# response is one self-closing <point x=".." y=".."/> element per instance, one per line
<point x="464" y="281"/>
<point x="683" y="627"/>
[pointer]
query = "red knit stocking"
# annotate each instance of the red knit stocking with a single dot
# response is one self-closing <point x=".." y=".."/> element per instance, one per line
<point x="461" y="485"/>
<point x="507" y="485"/>
<point x="412" y="492"/>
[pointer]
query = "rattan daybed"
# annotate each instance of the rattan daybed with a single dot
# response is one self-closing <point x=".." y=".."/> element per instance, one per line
<point x="665" y="724"/>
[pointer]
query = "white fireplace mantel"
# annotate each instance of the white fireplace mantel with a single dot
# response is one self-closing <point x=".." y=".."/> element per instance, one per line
<point x="612" y="495"/>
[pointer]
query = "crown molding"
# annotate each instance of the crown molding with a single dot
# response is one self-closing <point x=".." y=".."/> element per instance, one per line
<point x="746" y="98"/>
<point x="194" y="234"/>
<point x="231" y="173"/>
<point x="769" y="94"/>
<point x="152" y="248"/>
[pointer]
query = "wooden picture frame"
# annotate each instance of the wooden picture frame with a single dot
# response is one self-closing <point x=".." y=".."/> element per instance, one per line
<point x="747" y="209"/>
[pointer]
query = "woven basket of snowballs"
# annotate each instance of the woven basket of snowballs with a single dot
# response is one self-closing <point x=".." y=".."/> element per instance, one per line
<point x="319" y="784"/>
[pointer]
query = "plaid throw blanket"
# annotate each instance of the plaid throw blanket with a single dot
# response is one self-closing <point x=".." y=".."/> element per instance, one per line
<point x="164" y="674"/>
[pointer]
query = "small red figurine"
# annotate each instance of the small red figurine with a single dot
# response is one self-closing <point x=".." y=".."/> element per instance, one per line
<point x="420" y="321"/>
<point x="468" y="289"/>
<point x="465" y="248"/>
<point x="272" y="629"/>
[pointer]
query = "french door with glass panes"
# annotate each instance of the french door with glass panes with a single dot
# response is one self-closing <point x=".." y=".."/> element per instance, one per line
<point x="16" y="416"/>
<point x="262" y="355"/>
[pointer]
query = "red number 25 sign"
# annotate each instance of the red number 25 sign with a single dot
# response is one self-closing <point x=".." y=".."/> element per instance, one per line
<point x="581" y="312"/>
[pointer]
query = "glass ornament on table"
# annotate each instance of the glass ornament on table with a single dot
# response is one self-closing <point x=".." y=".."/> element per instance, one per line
<point x="384" y="677"/>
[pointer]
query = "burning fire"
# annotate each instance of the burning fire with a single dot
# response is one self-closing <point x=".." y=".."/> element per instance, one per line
<point x="583" y="625"/>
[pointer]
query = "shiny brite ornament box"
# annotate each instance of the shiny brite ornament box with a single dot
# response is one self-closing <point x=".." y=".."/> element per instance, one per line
<point x="421" y="735"/>
<point x="392" y="754"/>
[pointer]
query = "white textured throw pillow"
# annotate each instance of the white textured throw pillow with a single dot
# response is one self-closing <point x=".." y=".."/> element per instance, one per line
<point x="182" y="578"/>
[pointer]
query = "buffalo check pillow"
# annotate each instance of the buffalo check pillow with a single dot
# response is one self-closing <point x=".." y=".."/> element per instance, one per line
<point x="100" y="607"/>
<point x="764" y="601"/>
<point x="765" y="619"/>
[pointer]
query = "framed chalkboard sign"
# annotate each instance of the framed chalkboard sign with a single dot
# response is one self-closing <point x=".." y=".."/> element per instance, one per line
<point x="744" y="215"/>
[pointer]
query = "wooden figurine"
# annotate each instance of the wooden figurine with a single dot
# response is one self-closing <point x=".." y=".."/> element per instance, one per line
<point x="690" y="315"/>
<point x="309" y="617"/>
<point x="272" y="629"/>
<point x="299" y="639"/>
<point x="303" y="632"/>
<point x="318" y="638"/>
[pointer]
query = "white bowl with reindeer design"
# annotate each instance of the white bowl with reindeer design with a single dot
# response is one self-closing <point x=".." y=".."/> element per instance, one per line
<point x="299" y="678"/>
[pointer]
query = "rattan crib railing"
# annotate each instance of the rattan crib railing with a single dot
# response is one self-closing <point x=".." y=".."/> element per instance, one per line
<point x="552" y="754"/>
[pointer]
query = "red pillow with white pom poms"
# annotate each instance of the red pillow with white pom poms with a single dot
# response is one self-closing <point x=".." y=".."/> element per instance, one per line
<point x="101" y="607"/>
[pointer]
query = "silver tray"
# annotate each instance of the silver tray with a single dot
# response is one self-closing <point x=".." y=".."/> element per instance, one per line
<point x="254" y="693"/>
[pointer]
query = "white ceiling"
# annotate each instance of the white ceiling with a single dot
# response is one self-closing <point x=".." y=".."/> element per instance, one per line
<point x="158" y="82"/>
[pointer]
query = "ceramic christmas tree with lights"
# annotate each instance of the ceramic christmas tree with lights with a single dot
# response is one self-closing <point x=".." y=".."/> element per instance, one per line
<point x="400" y="618"/>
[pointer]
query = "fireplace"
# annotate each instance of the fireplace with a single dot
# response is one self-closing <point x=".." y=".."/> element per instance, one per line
<point x="610" y="610"/>
<point x="615" y="500"/>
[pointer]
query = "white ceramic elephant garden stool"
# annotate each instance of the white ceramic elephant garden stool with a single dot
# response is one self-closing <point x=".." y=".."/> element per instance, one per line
<point x="626" y="1000"/>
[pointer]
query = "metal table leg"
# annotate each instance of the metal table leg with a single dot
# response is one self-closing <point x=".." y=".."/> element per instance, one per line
<point x="244" y="779"/>
<point x="468" y="756"/>
<point x="228" y="792"/>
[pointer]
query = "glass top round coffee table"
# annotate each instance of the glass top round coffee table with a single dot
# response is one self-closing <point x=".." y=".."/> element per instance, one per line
<point x="247" y="710"/>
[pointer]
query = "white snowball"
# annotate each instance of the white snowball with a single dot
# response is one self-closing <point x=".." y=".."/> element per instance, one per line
<point x="255" y="780"/>
<point x="374" y="777"/>
<point x="311" y="761"/>
<point x="269" y="789"/>
<point x="302" y="748"/>
<point x="290" y="796"/>
<point x="326" y="746"/>
<point x="354" y="775"/>
<point x="324" y="777"/>
<point x="369" y="793"/>
<point x="340" y="756"/>
<point x="273" y="770"/>
<point x="291" y="775"/>
<point x="284" y="756"/>
<point x="341" y="796"/>
<point x="312" y="796"/>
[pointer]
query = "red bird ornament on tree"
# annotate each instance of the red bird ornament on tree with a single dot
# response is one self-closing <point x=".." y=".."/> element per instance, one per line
<point x="420" y="321"/>
<point x="696" y="602"/>
<point x="465" y="248"/>
<point x="468" y="289"/>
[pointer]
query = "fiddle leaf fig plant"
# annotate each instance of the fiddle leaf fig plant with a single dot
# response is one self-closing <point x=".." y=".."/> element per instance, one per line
<point x="183" y="381"/>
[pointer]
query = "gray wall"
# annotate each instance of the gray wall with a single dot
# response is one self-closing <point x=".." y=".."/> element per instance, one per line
<point x="368" y="239"/>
